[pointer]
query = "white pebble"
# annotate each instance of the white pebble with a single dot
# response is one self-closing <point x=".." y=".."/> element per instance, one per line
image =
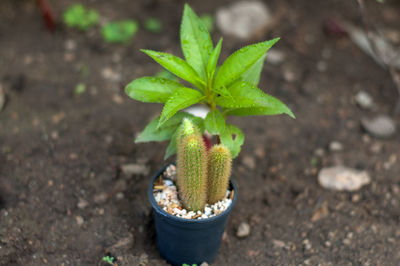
<point x="168" y="183"/>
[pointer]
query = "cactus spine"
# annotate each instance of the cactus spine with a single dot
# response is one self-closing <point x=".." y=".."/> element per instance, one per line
<point x="191" y="167"/>
<point x="219" y="171"/>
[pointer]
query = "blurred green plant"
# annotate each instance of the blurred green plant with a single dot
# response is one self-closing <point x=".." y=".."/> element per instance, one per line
<point x="153" y="25"/>
<point x="119" y="31"/>
<point x="109" y="259"/>
<point x="78" y="16"/>
<point x="79" y="89"/>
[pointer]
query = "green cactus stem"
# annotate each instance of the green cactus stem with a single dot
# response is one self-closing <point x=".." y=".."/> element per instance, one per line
<point x="219" y="171"/>
<point x="192" y="172"/>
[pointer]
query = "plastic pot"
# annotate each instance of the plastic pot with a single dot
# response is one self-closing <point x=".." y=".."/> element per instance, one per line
<point x="187" y="241"/>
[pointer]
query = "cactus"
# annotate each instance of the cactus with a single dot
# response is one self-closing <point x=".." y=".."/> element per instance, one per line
<point x="191" y="167"/>
<point x="219" y="171"/>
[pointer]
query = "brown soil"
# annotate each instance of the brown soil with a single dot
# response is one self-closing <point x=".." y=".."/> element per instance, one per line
<point x="65" y="201"/>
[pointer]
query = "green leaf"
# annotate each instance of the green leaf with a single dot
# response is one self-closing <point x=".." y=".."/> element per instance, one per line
<point x="151" y="89"/>
<point x="78" y="16"/>
<point x="252" y="75"/>
<point x="119" y="31"/>
<point x="215" y="122"/>
<point x="208" y="21"/>
<point x="172" y="146"/>
<point x="179" y="100"/>
<point x="166" y="74"/>
<point x="233" y="139"/>
<point x="250" y="100"/>
<point x="213" y="60"/>
<point x="240" y="61"/>
<point x="176" y="66"/>
<point x="195" y="41"/>
<point x="260" y="111"/>
<point x="153" y="133"/>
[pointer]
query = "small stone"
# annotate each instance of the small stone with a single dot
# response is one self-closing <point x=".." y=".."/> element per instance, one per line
<point x="135" y="169"/>
<point x="54" y="135"/>
<point x="328" y="244"/>
<point x="119" y="196"/>
<point x="244" y="19"/>
<point x="100" y="198"/>
<point x="320" y="213"/>
<point x="243" y="230"/>
<point x="204" y="264"/>
<point x="249" y="162"/>
<point x="275" y="57"/>
<point x="364" y="100"/>
<point x="335" y="146"/>
<point x="168" y="183"/>
<point x="116" y="98"/>
<point x="207" y="211"/>
<point x="79" y="220"/>
<point x="82" y="204"/>
<point x="347" y="242"/>
<point x="343" y="178"/>
<point x="380" y="127"/>
<point x="307" y="244"/>
<point x="278" y="243"/>
<point x="109" y="74"/>
<point x="319" y="152"/>
<point x="70" y="45"/>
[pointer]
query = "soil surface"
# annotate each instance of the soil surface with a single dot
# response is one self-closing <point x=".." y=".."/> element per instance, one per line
<point x="64" y="199"/>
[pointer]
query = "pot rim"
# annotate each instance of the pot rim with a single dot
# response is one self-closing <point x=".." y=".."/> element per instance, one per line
<point x="157" y="208"/>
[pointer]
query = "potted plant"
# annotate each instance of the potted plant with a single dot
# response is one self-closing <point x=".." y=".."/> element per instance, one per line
<point x="188" y="232"/>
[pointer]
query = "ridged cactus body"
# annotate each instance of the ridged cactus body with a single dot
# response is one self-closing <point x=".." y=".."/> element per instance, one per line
<point x="192" y="167"/>
<point x="219" y="171"/>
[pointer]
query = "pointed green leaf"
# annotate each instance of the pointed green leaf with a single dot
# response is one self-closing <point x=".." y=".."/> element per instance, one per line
<point x="215" y="122"/>
<point x="259" y="111"/>
<point x="252" y="75"/>
<point x="176" y="66"/>
<point x="213" y="60"/>
<point x="172" y="147"/>
<point x="233" y="139"/>
<point x="179" y="100"/>
<point x="152" y="133"/>
<point x="195" y="41"/>
<point x="246" y="95"/>
<point x="240" y="61"/>
<point x="152" y="90"/>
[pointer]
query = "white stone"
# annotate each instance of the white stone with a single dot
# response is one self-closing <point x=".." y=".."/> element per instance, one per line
<point x="135" y="169"/>
<point x="275" y="57"/>
<point x="168" y="182"/>
<point x="243" y="19"/>
<point x="381" y="126"/>
<point x="335" y="146"/>
<point x="343" y="178"/>
<point x="364" y="100"/>
<point x="207" y="210"/>
<point x="243" y="230"/>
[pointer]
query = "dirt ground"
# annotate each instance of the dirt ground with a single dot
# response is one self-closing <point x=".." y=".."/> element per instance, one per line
<point x="65" y="201"/>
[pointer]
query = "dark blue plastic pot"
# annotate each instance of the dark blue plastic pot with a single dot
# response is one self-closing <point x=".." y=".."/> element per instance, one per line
<point x="188" y="241"/>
